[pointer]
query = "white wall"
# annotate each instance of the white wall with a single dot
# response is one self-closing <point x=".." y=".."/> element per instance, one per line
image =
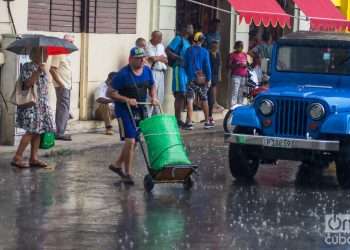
<point x="242" y="33"/>
<point x="304" y="25"/>
<point x="110" y="52"/>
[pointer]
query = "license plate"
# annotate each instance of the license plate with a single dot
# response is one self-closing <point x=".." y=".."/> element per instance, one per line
<point x="277" y="143"/>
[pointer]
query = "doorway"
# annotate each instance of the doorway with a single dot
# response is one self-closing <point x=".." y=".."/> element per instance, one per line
<point x="197" y="15"/>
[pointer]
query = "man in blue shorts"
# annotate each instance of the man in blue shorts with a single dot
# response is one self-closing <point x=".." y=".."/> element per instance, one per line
<point x="176" y="51"/>
<point x="131" y="85"/>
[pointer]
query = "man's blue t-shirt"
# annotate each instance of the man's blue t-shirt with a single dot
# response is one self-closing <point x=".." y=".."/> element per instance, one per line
<point x="132" y="86"/>
<point x="179" y="45"/>
<point x="197" y="58"/>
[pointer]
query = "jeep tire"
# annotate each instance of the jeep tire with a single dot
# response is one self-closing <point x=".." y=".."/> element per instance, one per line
<point x="243" y="165"/>
<point x="228" y="128"/>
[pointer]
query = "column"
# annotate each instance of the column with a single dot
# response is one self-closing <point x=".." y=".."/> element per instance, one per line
<point x="167" y="25"/>
<point x="9" y="74"/>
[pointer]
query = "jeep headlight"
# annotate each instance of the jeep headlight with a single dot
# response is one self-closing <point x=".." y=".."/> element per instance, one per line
<point x="316" y="111"/>
<point x="266" y="107"/>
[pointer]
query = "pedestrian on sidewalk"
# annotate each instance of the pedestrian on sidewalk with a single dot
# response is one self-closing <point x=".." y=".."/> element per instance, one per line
<point x="238" y="64"/>
<point x="141" y="43"/>
<point x="104" y="106"/>
<point x="131" y="85"/>
<point x="61" y="71"/>
<point x="213" y="34"/>
<point x="215" y="64"/>
<point x="197" y="65"/>
<point x="256" y="70"/>
<point x="176" y="51"/>
<point x="157" y="58"/>
<point x="37" y="119"/>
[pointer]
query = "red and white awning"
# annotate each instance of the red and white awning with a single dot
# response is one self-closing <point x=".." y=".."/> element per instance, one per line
<point x="323" y="14"/>
<point x="259" y="12"/>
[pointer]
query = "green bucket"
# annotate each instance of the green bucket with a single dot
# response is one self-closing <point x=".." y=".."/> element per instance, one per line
<point x="47" y="140"/>
<point x="164" y="142"/>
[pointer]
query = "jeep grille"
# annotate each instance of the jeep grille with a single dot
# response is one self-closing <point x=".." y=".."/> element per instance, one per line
<point x="291" y="118"/>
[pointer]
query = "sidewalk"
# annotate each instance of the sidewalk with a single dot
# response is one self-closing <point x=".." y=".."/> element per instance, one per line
<point x="85" y="141"/>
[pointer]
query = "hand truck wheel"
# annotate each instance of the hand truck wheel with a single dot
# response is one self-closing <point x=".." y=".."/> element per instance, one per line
<point x="188" y="183"/>
<point x="148" y="183"/>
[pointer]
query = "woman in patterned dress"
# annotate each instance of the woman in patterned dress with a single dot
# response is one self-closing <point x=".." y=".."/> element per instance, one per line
<point x="37" y="119"/>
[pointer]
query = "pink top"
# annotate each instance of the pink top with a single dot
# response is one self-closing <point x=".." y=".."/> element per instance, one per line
<point x="239" y="57"/>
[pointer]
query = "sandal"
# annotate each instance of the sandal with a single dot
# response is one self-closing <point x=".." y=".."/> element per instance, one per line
<point x="117" y="170"/>
<point x="128" y="180"/>
<point x="19" y="164"/>
<point x="38" y="164"/>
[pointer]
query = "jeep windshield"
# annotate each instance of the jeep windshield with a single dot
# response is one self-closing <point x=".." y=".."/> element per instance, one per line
<point x="311" y="59"/>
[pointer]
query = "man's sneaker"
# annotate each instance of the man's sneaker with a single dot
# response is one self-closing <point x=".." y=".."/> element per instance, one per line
<point x="188" y="126"/>
<point x="211" y="120"/>
<point x="208" y="125"/>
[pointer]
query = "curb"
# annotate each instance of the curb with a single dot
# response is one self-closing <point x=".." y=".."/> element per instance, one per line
<point x="64" y="150"/>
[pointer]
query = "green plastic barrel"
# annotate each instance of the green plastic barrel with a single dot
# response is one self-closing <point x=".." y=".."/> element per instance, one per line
<point x="164" y="142"/>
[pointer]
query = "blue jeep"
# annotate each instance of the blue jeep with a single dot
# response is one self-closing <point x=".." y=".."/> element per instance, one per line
<point x="305" y="115"/>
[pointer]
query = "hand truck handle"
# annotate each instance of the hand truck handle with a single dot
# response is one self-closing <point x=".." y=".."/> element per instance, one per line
<point x="141" y="103"/>
<point x="150" y="104"/>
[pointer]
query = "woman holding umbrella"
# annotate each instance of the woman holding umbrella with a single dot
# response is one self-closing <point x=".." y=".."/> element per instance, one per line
<point x="37" y="119"/>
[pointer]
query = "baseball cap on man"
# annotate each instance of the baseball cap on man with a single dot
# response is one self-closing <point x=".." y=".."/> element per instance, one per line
<point x="199" y="36"/>
<point x="137" y="52"/>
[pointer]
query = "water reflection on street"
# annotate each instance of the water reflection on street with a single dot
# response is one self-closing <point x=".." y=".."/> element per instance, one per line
<point x="80" y="204"/>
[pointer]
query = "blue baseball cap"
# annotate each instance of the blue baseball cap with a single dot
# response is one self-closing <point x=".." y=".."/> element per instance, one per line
<point x="137" y="52"/>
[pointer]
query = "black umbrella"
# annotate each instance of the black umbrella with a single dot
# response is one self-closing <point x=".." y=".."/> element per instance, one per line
<point x="54" y="45"/>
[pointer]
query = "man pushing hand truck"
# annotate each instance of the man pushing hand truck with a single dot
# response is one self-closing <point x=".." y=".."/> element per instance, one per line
<point x="131" y="85"/>
<point x="167" y="160"/>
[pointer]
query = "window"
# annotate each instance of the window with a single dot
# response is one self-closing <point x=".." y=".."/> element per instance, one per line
<point x="319" y="60"/>
<point x="105" y="16"/>
<point x="51" y="15"/>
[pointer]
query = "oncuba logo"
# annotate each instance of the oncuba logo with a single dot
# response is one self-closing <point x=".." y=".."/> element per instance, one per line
<point x="337" y="223"/>
<point x="337" y="229"/>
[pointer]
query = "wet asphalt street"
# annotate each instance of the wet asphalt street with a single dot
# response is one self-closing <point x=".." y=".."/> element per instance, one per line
<point x="80" y="204"/>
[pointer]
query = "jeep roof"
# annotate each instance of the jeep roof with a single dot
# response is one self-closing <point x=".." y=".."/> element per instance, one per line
<point x="316" y="39"/>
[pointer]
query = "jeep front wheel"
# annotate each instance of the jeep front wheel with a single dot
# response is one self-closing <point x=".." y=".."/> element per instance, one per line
<point x="243" y="164"/>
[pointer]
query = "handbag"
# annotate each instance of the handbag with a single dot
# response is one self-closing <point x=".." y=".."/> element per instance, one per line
<point x="47" y="140"/>
<point x="200" y="78"/>
<point x="22" y="97"/>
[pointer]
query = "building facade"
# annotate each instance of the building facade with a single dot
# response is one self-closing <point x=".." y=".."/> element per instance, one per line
<point x="104" y="32"/>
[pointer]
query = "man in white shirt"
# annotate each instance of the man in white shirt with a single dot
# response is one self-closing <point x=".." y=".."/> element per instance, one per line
<point x="158" y="61"/>
<point x="61" y="72"/>
<point x="104" y="106"/>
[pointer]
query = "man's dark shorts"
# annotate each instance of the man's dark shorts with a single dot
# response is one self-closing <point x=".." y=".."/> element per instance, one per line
<point x="197" y="90"/>
<point x="127" y="129"/>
